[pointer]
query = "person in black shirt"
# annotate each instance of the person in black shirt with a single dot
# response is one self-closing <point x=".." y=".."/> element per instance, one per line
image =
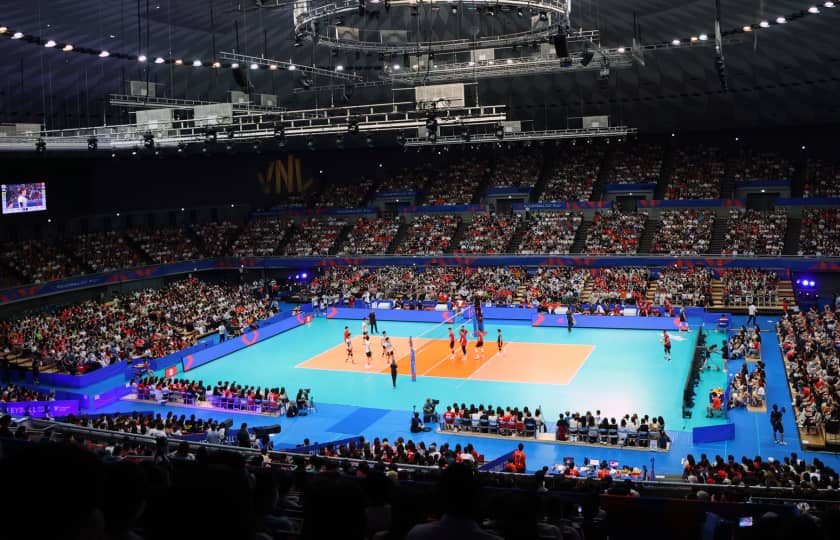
<point x="416" y="424"/>
<point x="776" y="422"/>
<point x="394" y="371"/>
<point x="243" y="438"/>
<point x="570" y="318"/>
<point x="372" y="322"/>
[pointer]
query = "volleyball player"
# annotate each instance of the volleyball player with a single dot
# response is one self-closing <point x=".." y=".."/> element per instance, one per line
<point x="364" y="326"/>
<point x="366" y="342"/>
<point x="349" y="344"/>
<point x="479" y="346"/>
<point x="463" y="343"/>
<point x="451" y="344"/>
<point x="389" y="349"/>
<point x="499" y="342"/>
<point x="666" y="344"/>
<point x="384" y="340"/>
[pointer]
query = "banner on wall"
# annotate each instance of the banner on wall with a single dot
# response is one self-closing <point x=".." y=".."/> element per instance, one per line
<point x="693" y="203"/>
<point x="561" y="205"/>
<point x="284" y="176"/>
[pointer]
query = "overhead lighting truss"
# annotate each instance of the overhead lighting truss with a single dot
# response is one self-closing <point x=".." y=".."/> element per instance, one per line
<point x="141" y="102"/>
<point x="245" y="59"/>
<point x="399" y="116"/>
<point x="523" y="136"/>
<point x="311" y="15"/>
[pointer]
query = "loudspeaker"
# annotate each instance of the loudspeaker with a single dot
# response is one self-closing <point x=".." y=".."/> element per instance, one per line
<point x="560" y="47"/>
<point x="267" y="430"/>
<point x="240" y="78"/>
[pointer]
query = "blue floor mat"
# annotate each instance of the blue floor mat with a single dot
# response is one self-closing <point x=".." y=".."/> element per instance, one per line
<point x="358" y="421"/>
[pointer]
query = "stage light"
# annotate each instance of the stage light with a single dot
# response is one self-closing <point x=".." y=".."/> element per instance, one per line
<point x="104" y="54"/>
<point x="747" y="28"/>
<point x="814" y="10"/>
<point x="780" y="20"/>
<point x="339" y="67"/>
<point x="310" y="143"/>
<point x="303" y="275"/>
<point x="519" y="12"/>
<point x="141" y="58"/>
<point x="543" y="16"/>
<point x="828" y="4"/>
<point x="764" y="24"/>
<point x="621" y="50"/>
<point x="196" y="63"/>
<point x="3" y="29"/>
<point x="400" y="139"/>
<point x="704" y="37"/>
<point x="255" y="66"/>
<point x="431" y="136"/>
<point x="209" y="136"/>
<point x="234" y="65"/>
<point x="500" y="132"/>
<point x="17" y="35"/>
<point x="465" y="136"/>
<point x="675" y="42"/>
<point x="471" y="63"/>
<point x="509" y="60"/>
<point x="149" y="141"/>
<point x="179" y="62"/>
<point x="217" y="65"/>
<point x="159" y="60"/>
<point x="339" y="142"/>
<point x="272" y="67"/>
<point x="181" y="148"/>
<point x="93" y="144"/>
<point x="353" y="126"/>
<point x="40" y="146"/>
<point x="292" y="67"/>
<point x="396" y="67"/>
<point x="279" y="133"/>
<point x="369" y="141"/>
<point x="454" y="9"/>
<point x="49" y="44"/>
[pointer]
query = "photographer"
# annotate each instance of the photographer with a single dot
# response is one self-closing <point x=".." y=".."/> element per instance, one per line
<point x="429" y="414"/>
<point x="416" y="425"/>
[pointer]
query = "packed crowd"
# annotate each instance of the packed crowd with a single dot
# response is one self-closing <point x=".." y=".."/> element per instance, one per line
<point x="751" y="232"/>
<point x="165" y="244"/>
<point x="684" y="286"/>
<point x="38" y="261"/>
<point x="809" y="342"/>
<point x="489" y="233"/>
<point x="14" y="393"/>
<point x="146" y="323"/>
<point x="630" y="430"/>
<point x="519" y="169"/>
<point x="820" y="234"/>
<point x="696" y="173"/>
<point x="504" y="421"/>
<point x="216" y="237"/>
<point x="742" y="286"/>
<point x="429" y="234"/>
<point x="408" y="179"/>
<point x="636" y="163"/>
<point x="684" y="232"/>
<point x="341" y="195"/>
<point x="155" y="425"/>
<point x="556" y="285"/>
<point x="549" y="232"/>
<point x="314" y="237"/>
<point x="619" y="285"/>
<point x="573" y="175"/>
<point x="822" y="179"/>
<point x="789" y="471"/>
<point x="404" y="452"/>
<point x="747" y="388"/>
<point x="261" y="237"/>
<point x="370" y="236"/>
<point x="457" y="184"/>
<point x="104" y="252"/>
<point x="750" y="165"/>
<point x="613" y="232"/>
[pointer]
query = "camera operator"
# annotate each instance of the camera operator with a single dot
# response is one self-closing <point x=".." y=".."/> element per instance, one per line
<point x="416" y="425"/>
<point x="429" y="414"/>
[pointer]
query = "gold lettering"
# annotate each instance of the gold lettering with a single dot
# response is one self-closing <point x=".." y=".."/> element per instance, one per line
<point x="266" y="181"/>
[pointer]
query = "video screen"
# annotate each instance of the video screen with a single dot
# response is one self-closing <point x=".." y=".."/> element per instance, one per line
<point x="20" y="198"/>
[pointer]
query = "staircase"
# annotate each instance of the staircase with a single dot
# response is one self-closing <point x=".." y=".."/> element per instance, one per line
<point x="341" y="239"/>
<point x="516" y="238"/>
<point x="601" y="181"/>
<point x="794" y="231"/>
<point x="398" y="238"/>
<point x="586" y="293"/>
<point x="196" y="241"/>
<point x="548" y="166"/>
<point x="664" y="174"/>
<point x="579" y="245"/>
<point x="650" y="293"/>
<point x="136" y="247"/>
<point x="646" y="241"/>
<point x="458" y="235"/>
<point x="784" y="290"/>
<point x="718" y="235"/>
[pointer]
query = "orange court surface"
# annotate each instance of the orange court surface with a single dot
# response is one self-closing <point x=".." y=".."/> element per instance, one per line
<point x="539" y="363"/>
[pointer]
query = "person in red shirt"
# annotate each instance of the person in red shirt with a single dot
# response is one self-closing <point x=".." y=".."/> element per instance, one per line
<point x="479" y="346"/>
<point x="666" y="344"/>
<point x="510" y="466"/>
<point x="519" y="458"/>
<point x="451" y="343"/>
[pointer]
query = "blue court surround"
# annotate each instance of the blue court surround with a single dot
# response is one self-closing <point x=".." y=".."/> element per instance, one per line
<point x="626" y="370"/>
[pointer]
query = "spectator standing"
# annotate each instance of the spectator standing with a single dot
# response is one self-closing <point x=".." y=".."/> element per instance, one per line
<point x="751" y="311"/>
<point x="243" y="438"/>
<point x="776" y="422"/>
<point x="372" y="320"/>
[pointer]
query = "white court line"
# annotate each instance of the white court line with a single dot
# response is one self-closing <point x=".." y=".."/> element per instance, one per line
<point x="555" y="384"/>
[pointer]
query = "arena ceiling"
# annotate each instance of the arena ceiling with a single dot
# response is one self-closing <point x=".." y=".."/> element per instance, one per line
<point x="784" y="75"/>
